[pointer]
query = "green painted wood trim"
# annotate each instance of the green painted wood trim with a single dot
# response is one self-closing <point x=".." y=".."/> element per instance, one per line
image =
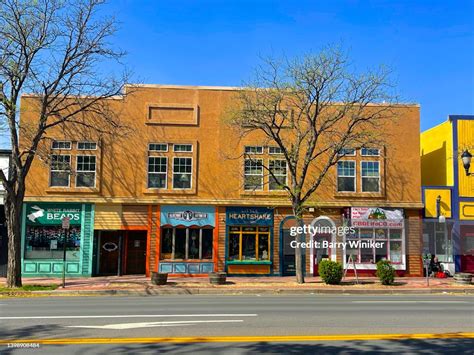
<point x="91" y="241"/>
<point x="249" y="262"/>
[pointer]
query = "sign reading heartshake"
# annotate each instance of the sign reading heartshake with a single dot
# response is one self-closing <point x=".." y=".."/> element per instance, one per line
<point x="260" y="216"/>
<point x="53" y="214"/>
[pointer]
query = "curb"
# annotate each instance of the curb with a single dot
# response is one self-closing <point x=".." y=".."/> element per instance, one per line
<point x="242" y="291"/>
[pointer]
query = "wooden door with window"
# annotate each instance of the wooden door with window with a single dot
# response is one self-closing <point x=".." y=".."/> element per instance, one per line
<point x="109" y="251"/>
<point x="467" y="248"/>
<point x="136" y="252"/>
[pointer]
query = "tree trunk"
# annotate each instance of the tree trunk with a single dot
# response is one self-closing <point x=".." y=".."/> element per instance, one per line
<point x="13" y="206"/>
<point x="300" y="238"/>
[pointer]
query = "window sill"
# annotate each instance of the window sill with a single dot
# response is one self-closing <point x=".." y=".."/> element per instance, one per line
<point x="191" y="191"/>
<point x="249" y="262"/>
<point x="342" y="194"/>
<point x="73" y="190"/>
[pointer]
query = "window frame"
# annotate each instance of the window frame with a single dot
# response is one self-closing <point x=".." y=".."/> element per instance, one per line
<point x="262" y="174"/>
<point x="158" y="151"/>
<point x="254" y="153"/>
<point x="354" y="152"/>
<point x="270" y="176"/>
<point x="87" y="142"/>
<point x="148" y="172"/>
<point x="61" y="141"/>
<point x="379" y="177"/>
<point x="68" y="171"/>
<point x="257" y="233"/>
<point x="354" y="177"/>
<point x="183" y="151"/>
<point x="186" y="250"/>
<point x="274" y="147"/>
<point x="191" y="173"/>
<point x="369" y="155"/>
<point x="86" y="171"/>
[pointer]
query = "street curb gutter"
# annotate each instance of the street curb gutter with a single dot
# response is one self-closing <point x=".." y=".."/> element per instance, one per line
<point x="249" y="291"/>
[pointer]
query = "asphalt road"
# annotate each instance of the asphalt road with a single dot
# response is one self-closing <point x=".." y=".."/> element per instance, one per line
<point x="304" y="324"/>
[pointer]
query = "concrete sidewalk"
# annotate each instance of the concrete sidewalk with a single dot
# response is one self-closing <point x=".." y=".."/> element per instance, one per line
<point x="141" y="285"/>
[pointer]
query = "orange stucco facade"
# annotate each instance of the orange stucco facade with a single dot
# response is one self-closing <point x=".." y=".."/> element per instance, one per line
<point x="123" y="201"/>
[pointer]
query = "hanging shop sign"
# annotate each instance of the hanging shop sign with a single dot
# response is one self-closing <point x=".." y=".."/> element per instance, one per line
<point x="376" y="217"/>
<point x="260" y="216"/>
<point x="188" y="215"/>
<point x="38" y="214"/>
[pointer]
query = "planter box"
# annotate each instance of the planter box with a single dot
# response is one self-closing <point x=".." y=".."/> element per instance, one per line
<point x="217" y="278"/>
<point x="159" y="278"/>
<point x="463" y="278"/>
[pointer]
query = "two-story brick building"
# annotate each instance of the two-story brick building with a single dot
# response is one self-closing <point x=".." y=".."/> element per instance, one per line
<point x="176" y="194"/>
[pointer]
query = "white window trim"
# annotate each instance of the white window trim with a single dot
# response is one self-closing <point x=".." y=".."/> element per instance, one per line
<point x="254" y="146"/>
<point x="262" y="174"/>
<point x="82" y="149"/>
<point x="68" y="176"/>
<point x="86" y="171"/>
<point x="281" y="153"/>
<point x="270" y="176"/>
<point x="367" y="266"/>
<point x="148" y="173"/>
<point x="183" y="151"/>
<point x="370" y="155"/>
<point x="355" y="177"/>
<point x="347" y="155"/>
<point x="159" y="151"/>
<point x="373" y="177"/>
<point x="191" y="174"/>
<point x="55" y="141"/>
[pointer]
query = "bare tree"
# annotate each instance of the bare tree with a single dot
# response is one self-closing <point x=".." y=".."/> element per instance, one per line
<point x="312" y="108"/>
<point x="55" y="50"/>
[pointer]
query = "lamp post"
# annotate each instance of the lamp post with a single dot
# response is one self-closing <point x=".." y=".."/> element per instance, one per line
<point x="466" y="161"/>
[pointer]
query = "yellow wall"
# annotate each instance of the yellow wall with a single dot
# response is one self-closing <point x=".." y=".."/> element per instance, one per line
<point x="436" y="156"/>
<point x="465" y="141"/>
<point x="430" y="202"/>
<point x="466" y="210"/>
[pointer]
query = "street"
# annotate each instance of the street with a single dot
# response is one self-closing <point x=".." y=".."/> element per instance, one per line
<point x="310" y="323"/>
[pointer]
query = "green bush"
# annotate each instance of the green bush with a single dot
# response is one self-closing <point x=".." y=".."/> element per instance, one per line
<point x="330" y="271"/>
<point x="385" y="272"/>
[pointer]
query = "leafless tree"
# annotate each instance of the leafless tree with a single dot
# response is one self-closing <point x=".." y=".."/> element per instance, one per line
<point x="311" y="108"/>
<point x="57" y="51"/>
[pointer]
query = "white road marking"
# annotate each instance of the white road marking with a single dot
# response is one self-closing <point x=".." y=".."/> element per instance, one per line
<point x="122" y="326"/>
<point x="370" y="302"/>
<point x="132" y="316"/>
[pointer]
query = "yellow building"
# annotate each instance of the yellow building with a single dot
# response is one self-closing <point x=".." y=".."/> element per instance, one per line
<point x="448" y="192"/>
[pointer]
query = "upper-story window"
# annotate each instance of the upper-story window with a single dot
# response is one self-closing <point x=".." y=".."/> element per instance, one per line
<point x="370" y="152"/>
<point x="275" y="150"/>
<point x="182" y="172"/>
<point x="182" y="148"/>
<point x="65" y="145"/>
<point x="158" y="147"/>
<point x="86" y="145"/>
<point x="60" y="170"/>
<point x="346" y="176"/>
<point x="157" y="172"/>
<point x="253" y="150"/>
<point x="85" y="171"/>
<point x="278" y="174"/>
<point x="370" y="176"/>
<point x="346" y="152"/>
<point x="253" y="174"/>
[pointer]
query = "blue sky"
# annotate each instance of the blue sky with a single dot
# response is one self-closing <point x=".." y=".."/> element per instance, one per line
<point x="429" y="44"/>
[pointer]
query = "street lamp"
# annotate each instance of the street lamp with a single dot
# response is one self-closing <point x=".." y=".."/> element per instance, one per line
<point x="466" y="161"/>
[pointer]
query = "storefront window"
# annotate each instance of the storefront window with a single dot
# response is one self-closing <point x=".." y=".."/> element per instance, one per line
<point x="389" y="245"/>
<point x="180" y="243"/>
<point x="437" y="240"/>
<point x="249" y="243"/>
<point x="47" y="242"/>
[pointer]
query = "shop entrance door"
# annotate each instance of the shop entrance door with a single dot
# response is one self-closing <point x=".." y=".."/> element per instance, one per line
<point x="136" y="252"/>
<point x="467" y="249"/>
<point x="320" y="253"/>
<point x="109" y="252"/>
<point x="287" y="255"/>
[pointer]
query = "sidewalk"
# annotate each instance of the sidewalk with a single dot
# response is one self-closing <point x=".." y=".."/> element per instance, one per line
<point x="140" y="285"/>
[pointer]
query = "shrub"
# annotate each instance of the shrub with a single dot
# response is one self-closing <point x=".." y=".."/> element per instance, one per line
<point x="330" y="271"/>
<point x="385" y="272"/>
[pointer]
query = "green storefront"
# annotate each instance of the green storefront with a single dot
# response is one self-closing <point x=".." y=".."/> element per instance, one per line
<point x="43" y="239"/>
